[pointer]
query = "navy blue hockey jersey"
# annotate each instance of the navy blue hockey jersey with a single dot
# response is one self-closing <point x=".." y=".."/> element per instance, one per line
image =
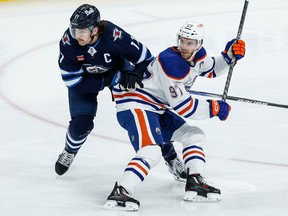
<point x="82" y="66"/>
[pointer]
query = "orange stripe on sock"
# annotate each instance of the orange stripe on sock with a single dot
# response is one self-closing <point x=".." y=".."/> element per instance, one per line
<point x="140" y="167"/>
<point x="193" y="152"/>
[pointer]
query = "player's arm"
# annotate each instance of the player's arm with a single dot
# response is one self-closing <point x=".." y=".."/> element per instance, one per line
<point x="216" y="66"/>
<point x="136" y="53"/>
<point x="131" y="79"/>
<point x="180" y="100"/>
<point x="75" y="79"/>
<point x="192" y="108"/>
<point x="210" y="67"/>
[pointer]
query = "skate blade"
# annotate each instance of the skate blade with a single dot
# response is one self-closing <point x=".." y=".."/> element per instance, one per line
<point x="192" y="196"/>
<point x="113" y="205"/>
<point x="179" y="179"/>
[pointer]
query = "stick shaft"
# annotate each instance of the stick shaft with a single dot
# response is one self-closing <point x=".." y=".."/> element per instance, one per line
<point x="231" y="67"/>
<point x="239" y="99"/>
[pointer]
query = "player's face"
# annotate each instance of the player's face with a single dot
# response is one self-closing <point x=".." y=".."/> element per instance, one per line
<point x="83" y="36"/>
<point x="187" y="47"/>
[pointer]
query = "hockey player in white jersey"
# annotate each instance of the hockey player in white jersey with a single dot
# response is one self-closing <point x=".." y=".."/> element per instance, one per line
<point x="154" y="115"/>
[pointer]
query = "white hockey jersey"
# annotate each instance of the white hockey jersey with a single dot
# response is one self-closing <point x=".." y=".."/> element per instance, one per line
<point x="165" y="83"/>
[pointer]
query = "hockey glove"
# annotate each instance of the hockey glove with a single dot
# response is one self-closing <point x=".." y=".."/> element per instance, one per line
<point x="112" y="78"/>
<point x="219" y="108"/>
<point x="131" y="79"/>
<point x="234" y="50"/>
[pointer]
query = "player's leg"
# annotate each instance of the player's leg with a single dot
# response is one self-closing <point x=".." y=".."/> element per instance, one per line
<point x="170" y="122"/>
<point x="144" y="132"/>
<point x="82" y="110"/>
<point x="193" y="140"/>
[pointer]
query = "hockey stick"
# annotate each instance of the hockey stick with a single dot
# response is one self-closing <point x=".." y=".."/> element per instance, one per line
<point x="231" y="67"/>
<point x="239" y="99"/>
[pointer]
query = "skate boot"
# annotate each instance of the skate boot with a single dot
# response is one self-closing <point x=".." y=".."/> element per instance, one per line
<point x="177" y="168"/>
<point x="119" y="199"/>
<point x="64" y="161"/>
<point x="197" y="190"/>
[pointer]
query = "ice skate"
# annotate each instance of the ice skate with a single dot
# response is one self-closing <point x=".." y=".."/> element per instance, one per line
<point x="197" y="190"/>
<point x="119" y="199"/>
<point x="177" y="168"/>
<point x="64" y="161"/>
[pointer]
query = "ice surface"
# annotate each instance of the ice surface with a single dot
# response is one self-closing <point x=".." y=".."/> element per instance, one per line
<point x="247" y="155"/>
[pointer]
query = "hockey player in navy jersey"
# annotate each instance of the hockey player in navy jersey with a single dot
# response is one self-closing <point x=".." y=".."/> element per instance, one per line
<point x="92" y="54"/>
<point x="154" y="115"/>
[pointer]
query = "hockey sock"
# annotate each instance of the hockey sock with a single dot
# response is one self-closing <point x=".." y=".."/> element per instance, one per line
<point x="138" y="168"/>
<point x="79" y="128"/>
<point x="194" y="159"/>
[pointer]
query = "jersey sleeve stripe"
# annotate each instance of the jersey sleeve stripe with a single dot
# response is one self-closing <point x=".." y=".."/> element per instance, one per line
<point x="193" y="110"/>
<point x="209" y="73"/>
<point x="144" y="54"/>
<point x="183" y="103"/>
<point x="72" y="82"/>
<point x="71" y="73"/>
<point x="187" y="107"/>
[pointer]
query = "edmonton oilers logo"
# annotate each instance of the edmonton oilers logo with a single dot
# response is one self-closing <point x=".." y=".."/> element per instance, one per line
<point x="158" y="131"/>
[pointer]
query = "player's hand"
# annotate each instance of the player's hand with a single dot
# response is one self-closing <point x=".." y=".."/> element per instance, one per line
<point x="234" y="51"/>
<point x="219" y="108"/>
<point x="131" y="79"/>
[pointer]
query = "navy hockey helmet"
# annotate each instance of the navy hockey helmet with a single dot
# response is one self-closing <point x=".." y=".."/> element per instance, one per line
<point x="85" y="16"/>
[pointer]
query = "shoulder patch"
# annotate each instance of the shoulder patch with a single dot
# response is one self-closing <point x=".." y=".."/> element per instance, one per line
<point x="65" y="39"/>
<point x="173" y="65"/>
<point x="117" y="34"/>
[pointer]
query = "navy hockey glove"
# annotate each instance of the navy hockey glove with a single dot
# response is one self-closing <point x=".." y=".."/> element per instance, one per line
<point x="112" y="78"/>
<point x="234" y="50"/>
<point x="131" y="79"/>
<point x="219" y="108"/>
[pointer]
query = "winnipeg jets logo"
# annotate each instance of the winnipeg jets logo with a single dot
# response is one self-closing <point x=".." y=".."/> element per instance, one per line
<point x="117" y="34"/>
<point x="95" y="69"/>
<point x="92" y="51"/>
<point x="66" y="39"/>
